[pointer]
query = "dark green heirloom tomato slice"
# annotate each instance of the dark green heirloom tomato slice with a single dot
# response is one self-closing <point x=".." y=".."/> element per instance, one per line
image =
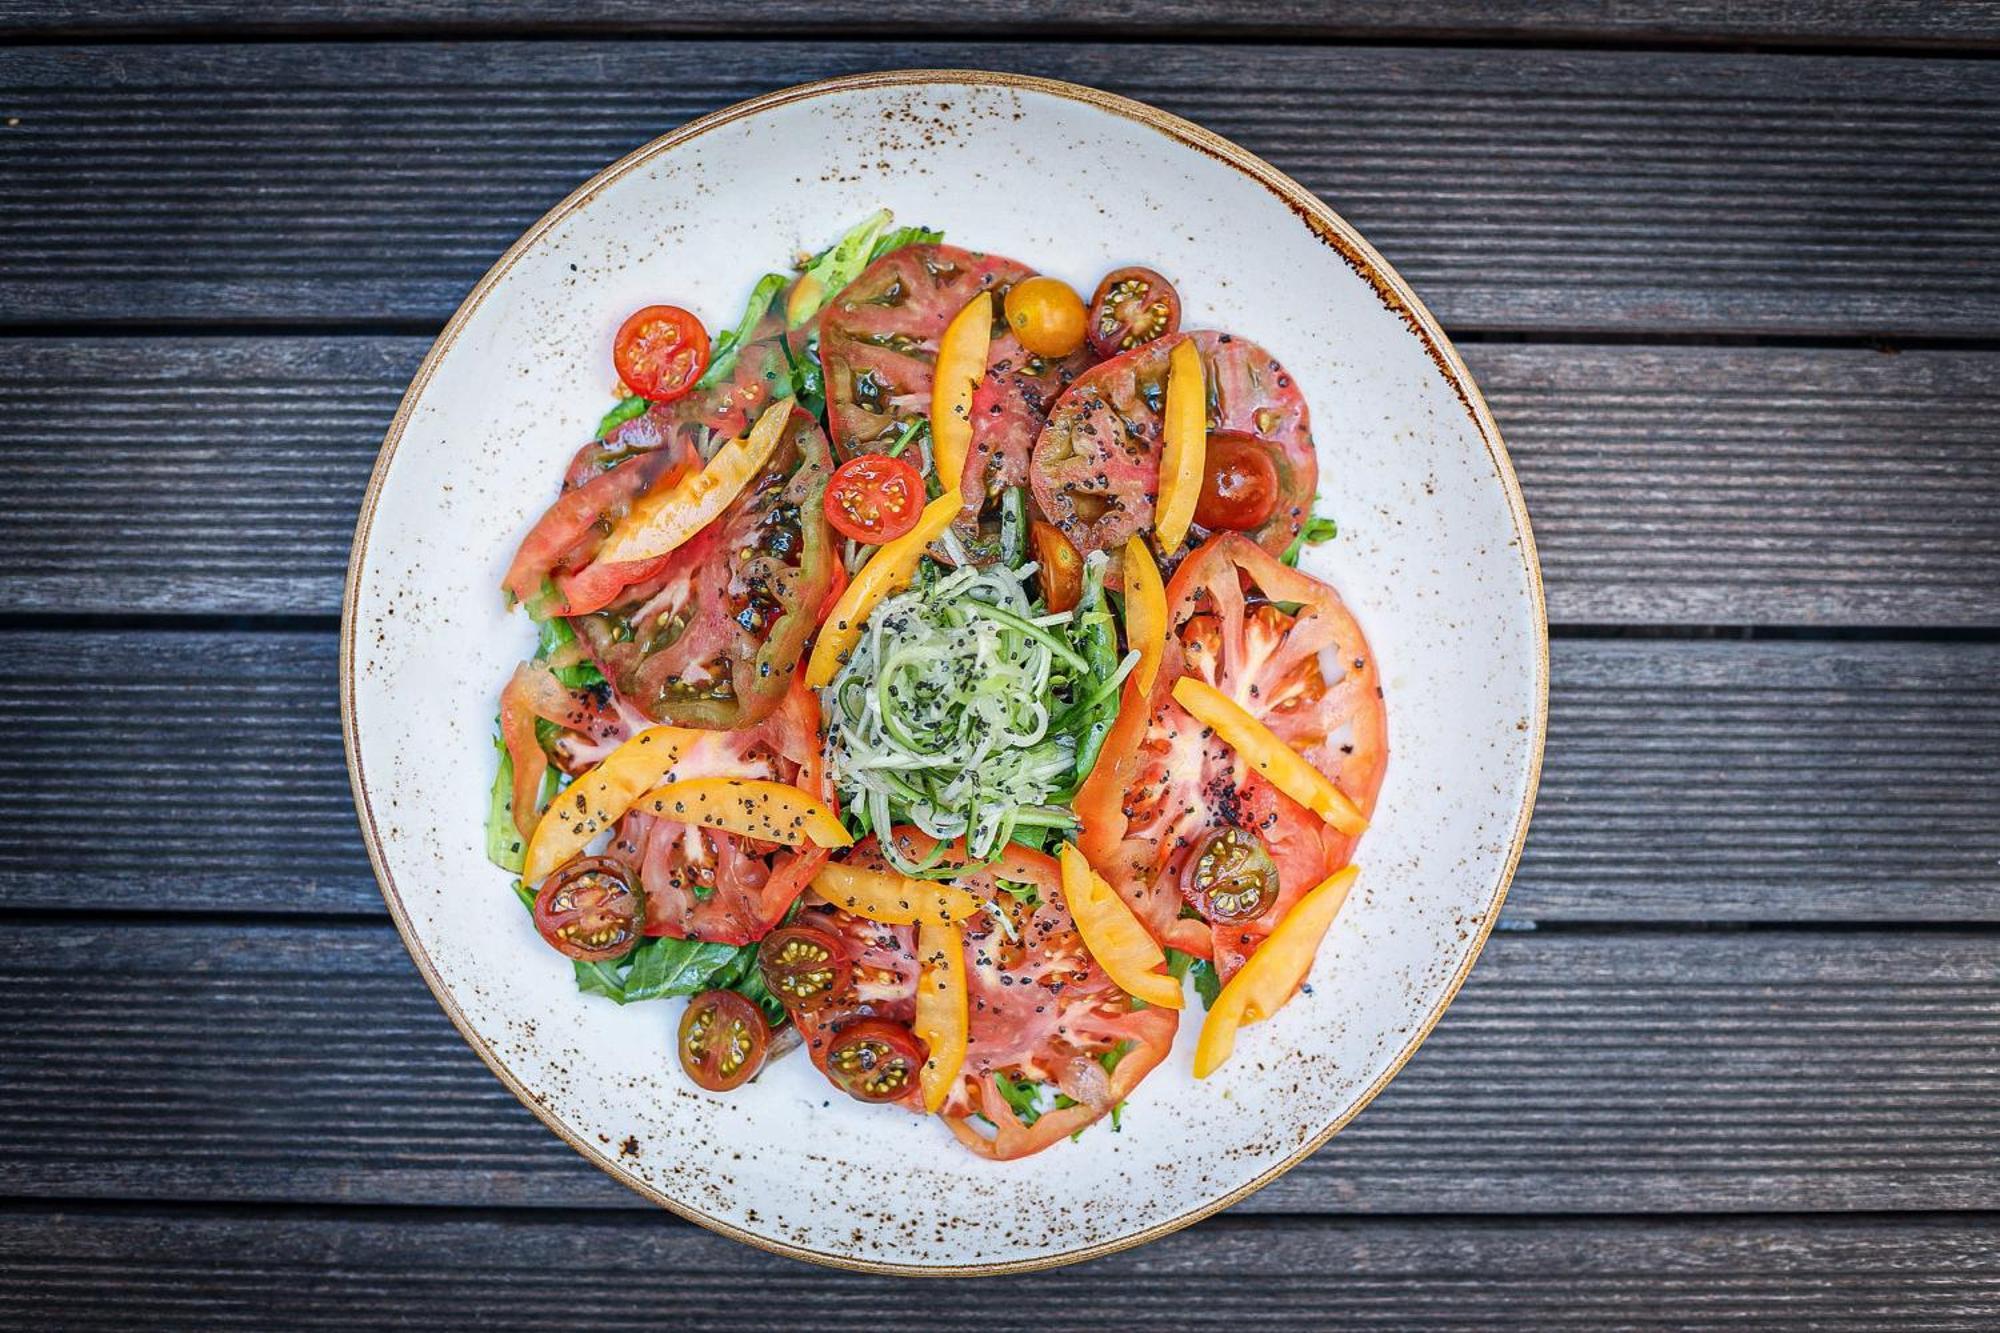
<point x="713" y="635"/>
<point x="723" y="1040"/>
<point x="589" y="910"/>
<point x="1230" y="877"/>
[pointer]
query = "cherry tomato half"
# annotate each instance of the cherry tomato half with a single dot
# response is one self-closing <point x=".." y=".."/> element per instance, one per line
<point x="1058" y="566"/>
<point x="1239" y="489"/>
<point x="1230" y="877"/>
<point x="804" y="966"/>
<point x="1133" y="306"/>
<point x="660" y="352"/>
<point x="590" y="910"/>
<point x="875" y="1060"/>
<point x="874" y="498"/>
<point x="1047" y="316"/>
<point x="723" y="1040"/>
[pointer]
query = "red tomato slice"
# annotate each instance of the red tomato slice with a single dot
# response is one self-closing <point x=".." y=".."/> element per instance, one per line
<point x="1040" y="1008"/>
<point x="874" y="498"/>
<point x="878" y="344"/>
<point x="660" y="352"/>
<point x="1096" y="468"/>
<point x="704" y="884"/>
<point x="1163" y="786"/>
<point x="1239" y="485"/>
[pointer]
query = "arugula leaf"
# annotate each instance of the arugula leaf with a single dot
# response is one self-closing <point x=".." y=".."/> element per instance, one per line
<point x="1024" y="894"/>
<point x="1022" y="1094"/>
<point x="808" y="381"/>
<point x="504" y="845"/>
<point x="729" y="343"/>
<point x="827" y="272"/>
<point x="1315" y="531"/>
<point x="1111" y="1057"/>
<point x="895" y="240"/>
<point x="557" y="635"/>
<point x="635" y="406"/>
<point x="1206" y="983"/>
<point x="662" y="966"/>
<point x="1117" y="1114"/>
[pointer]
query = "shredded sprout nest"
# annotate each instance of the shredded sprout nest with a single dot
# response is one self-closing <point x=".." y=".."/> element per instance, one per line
<point x="947" y="714"/>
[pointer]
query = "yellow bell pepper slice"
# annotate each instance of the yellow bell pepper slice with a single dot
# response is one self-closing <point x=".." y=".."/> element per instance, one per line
<point x="1145" y="612"/>
<point x="1183" y="446"/>
<point x="961" y="364"/>
<point x="1281" y="765"/>
<point x="753" y="807"/>
<point x="888" y="571"/>
<point x="1273" y="974"/>
<point x="1113" y="935"/>
<point x="893" y="899"/>
<point x="662" y="520"/>
<point x="592" y="804"/>
<point x="943" y="1017"/>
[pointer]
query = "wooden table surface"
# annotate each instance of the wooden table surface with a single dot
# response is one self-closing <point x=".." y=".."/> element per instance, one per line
<point x="1730" y="275"/>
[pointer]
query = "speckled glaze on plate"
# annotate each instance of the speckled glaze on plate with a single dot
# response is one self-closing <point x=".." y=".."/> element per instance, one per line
<point x="1434" y="555"/>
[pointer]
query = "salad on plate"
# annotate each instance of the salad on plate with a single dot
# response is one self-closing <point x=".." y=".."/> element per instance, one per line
<point x="925" y="681"/>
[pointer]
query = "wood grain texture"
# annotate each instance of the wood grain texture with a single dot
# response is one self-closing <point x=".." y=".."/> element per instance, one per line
<point x="130" y="1269"/>
<point x="1667" y="485"/>
<point x="1685" y="781"/>
<point x="1576" y="1073"/>
<point x="1516" y="189"/>
<point x="1963" y="25"/>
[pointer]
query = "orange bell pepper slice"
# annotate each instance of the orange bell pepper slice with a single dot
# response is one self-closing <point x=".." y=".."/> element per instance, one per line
<point x="1114" y="936"/>
<point x="753" y="807"/>
<point x="1281" y="765"/>
<point x="662" y="520"/>
<point x="888" y="571"/>
<point x="1145" y="612"/>
<point x="961" y="364"/>
<point x="1274" y="973"/>
<point x="943" y="1016"/>
<point x="893" y="899"/>
<point x="593" y="803"/>
<point x="1184" y="446"/>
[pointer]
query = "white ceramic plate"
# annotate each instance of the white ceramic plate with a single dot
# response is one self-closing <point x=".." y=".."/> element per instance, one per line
<point x="1434" y="555"/>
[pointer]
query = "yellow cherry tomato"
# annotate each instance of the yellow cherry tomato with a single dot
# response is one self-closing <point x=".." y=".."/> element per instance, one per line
<point x="1047" y="316"/>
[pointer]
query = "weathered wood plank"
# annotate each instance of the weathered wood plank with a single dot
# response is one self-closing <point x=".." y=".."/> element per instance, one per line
<point x="1960" y="24"/>
<point x="1517" y="189"/>
<point x="1668" y="484"/>
<point x="1685" y="781"/>
<point x="1612" y="1073"/>
<point x="169" y="1271"/>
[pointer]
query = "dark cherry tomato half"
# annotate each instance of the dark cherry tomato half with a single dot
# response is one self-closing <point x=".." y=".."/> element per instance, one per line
<point x="874" y="498"/>
<point x="723" y="1040"/>
<point x="1239" y="488"/>
<point x="804" y="966"/>
<point x="590" y="910"/>
<point x="1230" y="877"/>
<point x="875" y="1060"/>
<point x="1058" y="565"/>
<point x="1132" y="307"/>
<point x="660" y="352"/>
